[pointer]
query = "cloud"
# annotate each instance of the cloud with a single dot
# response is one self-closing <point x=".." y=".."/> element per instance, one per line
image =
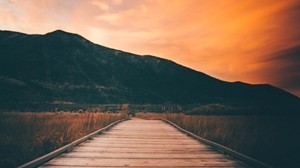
<point x="101" y="4"/>
<point x="283" y="69"/>
<point x="118" y="2"/>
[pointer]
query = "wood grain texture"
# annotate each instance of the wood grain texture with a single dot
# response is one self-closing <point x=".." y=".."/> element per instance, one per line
<point x="143" y="143"/>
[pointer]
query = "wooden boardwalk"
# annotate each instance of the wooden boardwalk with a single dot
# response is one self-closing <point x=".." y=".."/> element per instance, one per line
<point x="143" y="143"/>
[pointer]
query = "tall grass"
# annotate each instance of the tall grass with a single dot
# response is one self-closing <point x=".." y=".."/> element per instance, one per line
<point x="150" y="116"/>
<point x="271" y="139"/>
<point x="25" y="136"/>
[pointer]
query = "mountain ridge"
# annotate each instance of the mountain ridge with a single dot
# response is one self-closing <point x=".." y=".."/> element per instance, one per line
<point x="62" y="66"/>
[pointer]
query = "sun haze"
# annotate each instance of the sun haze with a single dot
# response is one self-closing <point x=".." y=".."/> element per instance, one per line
<point x="255" y="41"/>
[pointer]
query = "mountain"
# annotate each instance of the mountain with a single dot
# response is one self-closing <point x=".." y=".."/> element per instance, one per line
<point x="65" y="68"/>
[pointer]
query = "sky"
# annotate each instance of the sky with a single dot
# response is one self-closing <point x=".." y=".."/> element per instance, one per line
<point x="254" y="41"/>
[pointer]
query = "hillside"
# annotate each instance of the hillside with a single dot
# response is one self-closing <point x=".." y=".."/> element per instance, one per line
<point x="65" y="68"/>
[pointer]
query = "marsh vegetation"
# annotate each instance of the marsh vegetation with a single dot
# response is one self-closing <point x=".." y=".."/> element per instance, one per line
<point x="26" y="136"/>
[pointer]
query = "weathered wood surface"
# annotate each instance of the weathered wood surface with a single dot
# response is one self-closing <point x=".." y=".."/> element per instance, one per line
<point x="143" y="143"/>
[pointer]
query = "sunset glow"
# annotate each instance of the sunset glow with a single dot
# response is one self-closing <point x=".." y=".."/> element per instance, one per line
<point x="255" y="41"/>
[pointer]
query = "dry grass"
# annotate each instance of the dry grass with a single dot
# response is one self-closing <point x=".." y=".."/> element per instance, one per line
<point x="274" y="140"/>
<point x="150" y="116"/>
<point x="25" y="136"/>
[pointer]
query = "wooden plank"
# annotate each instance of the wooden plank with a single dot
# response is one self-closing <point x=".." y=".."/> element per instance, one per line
<point x="149" y="151"/>
<point x="144" y="135"/>
<point x="140" y="139"/>
<point x="116" y="141"/>
<point x="142" y="162"/>
<point x="118" y="155"/>
<point x="141" y="145"/>
<point x="56" y="166"/>
<point x="83" y="148"/>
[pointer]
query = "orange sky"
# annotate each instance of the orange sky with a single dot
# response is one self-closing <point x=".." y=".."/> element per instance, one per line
<point x="255" y="41"/>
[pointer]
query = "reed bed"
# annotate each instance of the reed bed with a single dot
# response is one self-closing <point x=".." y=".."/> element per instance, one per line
<point x="150" y="116"/>
<point x="26" y="136"/>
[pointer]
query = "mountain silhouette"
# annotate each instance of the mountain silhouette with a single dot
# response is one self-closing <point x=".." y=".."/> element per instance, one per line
<point x="67" y="68"/>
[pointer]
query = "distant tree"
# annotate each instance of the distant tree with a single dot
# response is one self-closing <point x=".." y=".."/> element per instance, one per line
<point x="125" y="108"/>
